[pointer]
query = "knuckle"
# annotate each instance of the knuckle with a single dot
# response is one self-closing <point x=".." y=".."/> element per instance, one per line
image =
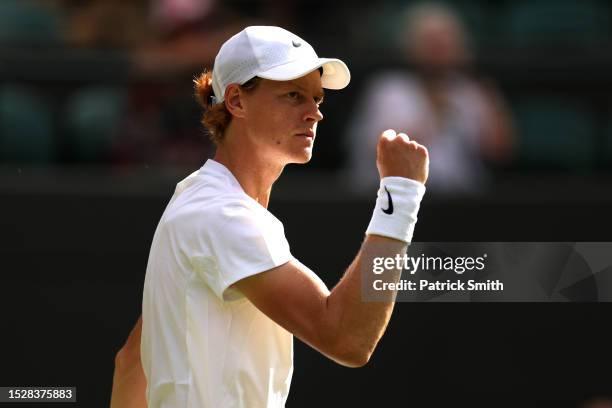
<point x="404" y="136"/>
<point x="422" y="149"/>
<point x="388" y="134"/>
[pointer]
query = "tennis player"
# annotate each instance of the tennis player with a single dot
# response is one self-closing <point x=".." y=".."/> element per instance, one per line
<point x="223" y="296"/>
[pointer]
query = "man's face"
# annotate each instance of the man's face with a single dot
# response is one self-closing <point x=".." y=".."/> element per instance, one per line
<point x="282" y="117"/>
<point x="438" y="42"/>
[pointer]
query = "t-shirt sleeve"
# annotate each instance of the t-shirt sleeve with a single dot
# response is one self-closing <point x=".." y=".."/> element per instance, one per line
<point x="241" y="241"/>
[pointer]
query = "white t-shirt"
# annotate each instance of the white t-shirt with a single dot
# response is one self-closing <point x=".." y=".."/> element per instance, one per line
<point x="203" y="344"/>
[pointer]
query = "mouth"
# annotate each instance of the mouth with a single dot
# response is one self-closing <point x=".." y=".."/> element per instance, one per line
<point x="307" y="134"/>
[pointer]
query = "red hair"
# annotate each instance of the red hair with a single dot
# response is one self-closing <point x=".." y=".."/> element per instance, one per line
<point x="216" y="117"/>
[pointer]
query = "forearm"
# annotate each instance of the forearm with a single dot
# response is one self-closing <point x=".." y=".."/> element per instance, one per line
<point x="357" y="321"/>
<point x="129" y="382"/>
<point x="359" y="312"/>
<point x="344" y="324"/>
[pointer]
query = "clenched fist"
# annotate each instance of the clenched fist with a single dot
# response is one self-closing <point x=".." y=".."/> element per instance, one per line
<point x="397" y="155"/>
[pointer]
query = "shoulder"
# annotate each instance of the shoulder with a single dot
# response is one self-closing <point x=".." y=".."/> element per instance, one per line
<point x="224" y="214"/>
<point x="199" y="195"/>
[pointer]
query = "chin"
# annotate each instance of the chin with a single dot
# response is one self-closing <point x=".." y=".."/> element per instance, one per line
<point x="299" y="156"/>
<point x="302" y="158"/>
<point x="301" y="161"/>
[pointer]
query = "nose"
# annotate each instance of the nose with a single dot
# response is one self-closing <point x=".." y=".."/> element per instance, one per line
<point x="313" y="113"/>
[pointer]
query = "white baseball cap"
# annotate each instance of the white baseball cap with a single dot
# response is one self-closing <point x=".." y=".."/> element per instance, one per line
<point x="272" y="53"/>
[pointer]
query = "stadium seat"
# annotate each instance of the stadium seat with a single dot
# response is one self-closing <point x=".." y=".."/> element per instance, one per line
<point x="557" y="23"/>
<point x="555" y="134"/>
<point x="26" y="126"/>
<point x="91" y="117"/>
<point x="27" y="23"/>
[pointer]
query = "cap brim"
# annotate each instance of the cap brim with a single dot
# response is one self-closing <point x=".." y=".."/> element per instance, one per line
<point x="336" y="74"/>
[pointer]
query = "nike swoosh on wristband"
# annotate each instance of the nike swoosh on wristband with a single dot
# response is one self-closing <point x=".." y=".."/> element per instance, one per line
<point x="390" y="209"/>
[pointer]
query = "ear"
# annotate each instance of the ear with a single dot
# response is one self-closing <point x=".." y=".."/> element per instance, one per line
<point x="233" y="100"/>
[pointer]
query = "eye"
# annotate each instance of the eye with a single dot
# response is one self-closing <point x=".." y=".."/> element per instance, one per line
<point x="294" y="95"/>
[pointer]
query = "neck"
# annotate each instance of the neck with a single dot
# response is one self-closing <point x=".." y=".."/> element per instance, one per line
<point x="256" y="174"/>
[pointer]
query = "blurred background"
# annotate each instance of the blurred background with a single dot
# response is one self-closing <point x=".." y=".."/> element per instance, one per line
<point x="512" y="98"/>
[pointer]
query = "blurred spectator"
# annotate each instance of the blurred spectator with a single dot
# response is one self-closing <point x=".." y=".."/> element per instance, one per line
<point x="462" y="120"/>
<point x="110" y="24"/>
<point x="76" y="120"/>
<point x="27" y="131"/>
<point x="92" y="112"/>
<point x="140" y="111"/>
<point x="160" y="126"/>
<point x="184" y="36"/>
<point x="132" y="103"/>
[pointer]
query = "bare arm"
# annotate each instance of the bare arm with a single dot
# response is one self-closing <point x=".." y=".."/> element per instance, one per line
<point x="340" y="324"/>
<point x="129" y="382"/>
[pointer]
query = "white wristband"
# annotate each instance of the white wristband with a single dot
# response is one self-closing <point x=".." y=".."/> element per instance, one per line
<point x="397" y="206"/>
